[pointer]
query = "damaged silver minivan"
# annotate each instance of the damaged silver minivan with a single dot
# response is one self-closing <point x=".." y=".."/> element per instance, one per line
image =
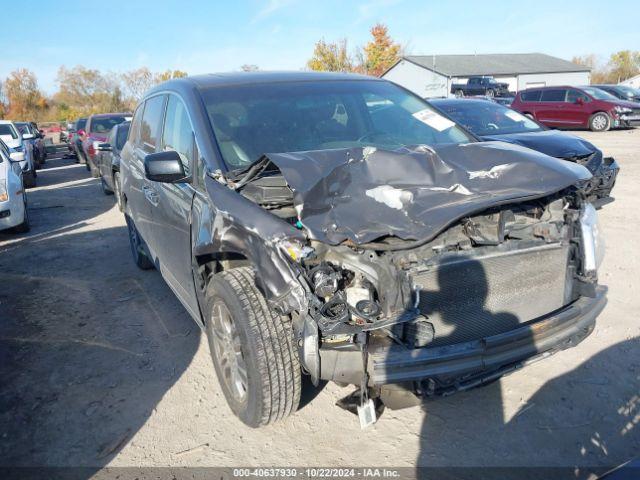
<point x="337" y="226"/>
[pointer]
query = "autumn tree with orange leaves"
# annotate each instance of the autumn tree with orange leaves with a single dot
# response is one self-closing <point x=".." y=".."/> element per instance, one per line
<point x="380" y="53"/>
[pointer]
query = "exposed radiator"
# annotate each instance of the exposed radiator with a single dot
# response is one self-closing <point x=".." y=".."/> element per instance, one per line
<point x="466" y="298"/>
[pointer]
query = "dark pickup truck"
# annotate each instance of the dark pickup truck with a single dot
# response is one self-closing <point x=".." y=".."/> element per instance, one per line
<point x="480" y="86"/>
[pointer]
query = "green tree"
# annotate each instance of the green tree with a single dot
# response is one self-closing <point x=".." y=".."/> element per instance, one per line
<point x="624" y="64"/>
<point x="331" y="57"/>
<point x="86" y="91"/>
<point x="380" y="53"/>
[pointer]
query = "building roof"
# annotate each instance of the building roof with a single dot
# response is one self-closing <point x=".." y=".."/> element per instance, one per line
<point x="494" y="64"/>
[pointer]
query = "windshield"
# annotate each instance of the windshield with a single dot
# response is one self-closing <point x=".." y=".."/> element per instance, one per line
<point x="598" y="94"/>
<point x="105" y="124"/>
<point x="23" y="128"/>
<point x="627" y="91"/>
<point x="487" y="118"/>
<point x="251" y="120"/>
<point x="7" y="129"/>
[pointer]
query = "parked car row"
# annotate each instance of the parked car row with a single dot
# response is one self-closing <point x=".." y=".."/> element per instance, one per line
<point x="13" y="195"/>
<point x="597" y="107"/>
<point x="340" y="227"/>
<point x="490" y="121"/>
<point x="577" y="107"/>
<point x="26" y="146"/>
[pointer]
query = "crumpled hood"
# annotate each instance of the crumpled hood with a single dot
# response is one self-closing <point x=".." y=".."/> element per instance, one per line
<point x="550" y="142"/>
<point x="362" y="194"/>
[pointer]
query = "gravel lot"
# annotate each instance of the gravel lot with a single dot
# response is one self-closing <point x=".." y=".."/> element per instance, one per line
<point x="100" y="364"/>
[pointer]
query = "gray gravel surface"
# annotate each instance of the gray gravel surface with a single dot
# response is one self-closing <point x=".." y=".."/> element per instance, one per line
<point x="100" y="364"/>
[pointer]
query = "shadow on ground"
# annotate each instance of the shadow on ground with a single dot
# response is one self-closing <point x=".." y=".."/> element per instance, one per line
<point x="89" y="344"/>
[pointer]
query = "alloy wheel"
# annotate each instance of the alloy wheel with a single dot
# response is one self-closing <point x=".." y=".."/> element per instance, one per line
<point x="227" y="351"/>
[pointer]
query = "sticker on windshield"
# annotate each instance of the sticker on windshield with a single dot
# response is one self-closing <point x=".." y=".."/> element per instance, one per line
<point x="434" y="120"/>
<point x="514" y="116"/>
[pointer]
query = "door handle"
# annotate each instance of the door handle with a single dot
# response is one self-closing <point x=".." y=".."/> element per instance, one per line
<point x="150" y="194"/>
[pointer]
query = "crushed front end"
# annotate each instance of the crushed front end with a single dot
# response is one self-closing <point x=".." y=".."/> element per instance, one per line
<point x="424" y="271"/>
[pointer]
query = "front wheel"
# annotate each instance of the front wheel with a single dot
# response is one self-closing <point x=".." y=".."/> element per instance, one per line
<point x="491" y="93"/>
<point x="252" y="348"/>
<point x="459" y="93"/>
<point x="600" y="122"/>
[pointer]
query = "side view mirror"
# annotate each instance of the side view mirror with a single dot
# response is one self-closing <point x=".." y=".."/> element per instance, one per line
<point x="16" y="156"/>
<point x="165" y="167"/>
<point x="28" y="136"/>
<point x="104" y="147"/>
<point x="579" y="101"/>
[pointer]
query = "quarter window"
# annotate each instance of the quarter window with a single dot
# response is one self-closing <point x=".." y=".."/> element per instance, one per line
<point x="178" y="134"/>
<point x="553" y="95"/>
<point x="151" y="121"/>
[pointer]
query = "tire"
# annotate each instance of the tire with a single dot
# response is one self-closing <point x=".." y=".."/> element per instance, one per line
<point x="490" y="93"/>
<point x="105" y="189"/>
<point x="25" y="226"/>
<point x="30" y="180"/>
<point x="459" y="93"/>
<point x="244" y="332"/>
<point x="599" y="122"/>
<point x="117" y="191"/>
<point x="140" y="258"/>
<point x="528" y="115"/>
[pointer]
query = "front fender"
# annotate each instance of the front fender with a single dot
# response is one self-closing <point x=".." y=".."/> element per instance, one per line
<point x="227" y="223"/>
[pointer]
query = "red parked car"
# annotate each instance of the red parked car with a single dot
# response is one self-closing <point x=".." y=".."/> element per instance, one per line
<point x="95" y="132"/>
<point x="577" y="107"/>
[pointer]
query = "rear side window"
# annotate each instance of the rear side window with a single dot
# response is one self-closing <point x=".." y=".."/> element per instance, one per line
<point x="553" y="95"/>
<point x="135" y="125"/>
<point x="532" y="96"/>
<point x="574" y="95"/>
<point x="151" y="121"/>
<point x="178" y="133"/>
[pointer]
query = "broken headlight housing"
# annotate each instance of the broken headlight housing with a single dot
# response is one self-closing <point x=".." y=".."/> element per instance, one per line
<point x="592" y="240"/>
<point x="294" y="249"/>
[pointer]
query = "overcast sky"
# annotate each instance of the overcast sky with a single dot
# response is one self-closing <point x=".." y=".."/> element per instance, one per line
<point x="202" y="36"/>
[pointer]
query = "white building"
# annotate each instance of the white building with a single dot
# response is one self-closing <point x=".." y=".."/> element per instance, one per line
<point x="632" y="82"/>
<point x="432" y="75"/>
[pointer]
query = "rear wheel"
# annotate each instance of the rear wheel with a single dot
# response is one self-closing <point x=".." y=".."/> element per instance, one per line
<point x="29" y="179"/>
<point x="137" y="247"/>
<point x="528" y="115"/>
<point x="105" y="188"/>
<point x="490" y="93"/>
<point x="252" y="348"/>
<point x="600" y="122"/>
<point x="117" y="191"/>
